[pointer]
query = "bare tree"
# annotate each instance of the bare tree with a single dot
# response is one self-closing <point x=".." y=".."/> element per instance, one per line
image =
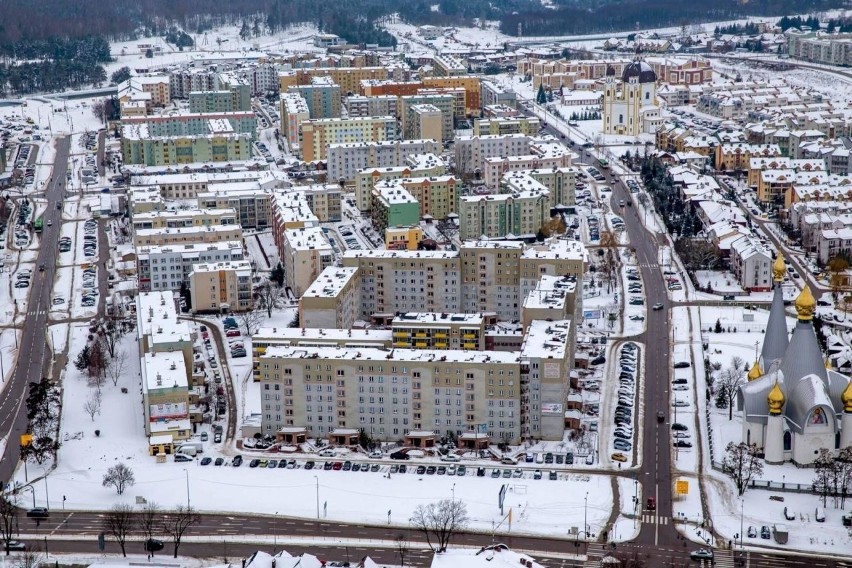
<point x="738" y="363"/>
<point x="402" y="548"/>
<point x="116" y="366"/>
<point x="440" y="521"/>
<point x="270" y="296"/>
<point x="250" y="321"/>
<point x="92" y="406"/>
<point x="98" y="361"/>
<point x="111" y="329"/>
<point x="447" y="229"/>
<point x="29" y="558"/>
<point x="150" y="520"/>
<point x="8" y="520"/>
<point x="119" y="476"/>
<point x="727" y="384"/>
<point x="742" y="464"/>
<point x="119" y="522"/>
<point x="844" y="464"/>
<point x="178" y="522"/>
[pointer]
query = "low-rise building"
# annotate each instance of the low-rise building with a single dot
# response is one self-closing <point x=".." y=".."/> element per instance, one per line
<point x="751" y="263"/>
<point x="403" y="238"/>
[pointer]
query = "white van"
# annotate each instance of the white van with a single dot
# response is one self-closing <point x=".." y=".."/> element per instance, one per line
<point x="186" y="451"/>
<point x="509" y="461"/>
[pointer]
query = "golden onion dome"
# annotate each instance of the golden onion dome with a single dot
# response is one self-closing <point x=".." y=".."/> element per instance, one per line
<point x="775" y="399"/>
<point x="779" y="269"/>
<point x="846" y="398"/>
<point x="755" y="372"/>
<point x="806" y="304"/>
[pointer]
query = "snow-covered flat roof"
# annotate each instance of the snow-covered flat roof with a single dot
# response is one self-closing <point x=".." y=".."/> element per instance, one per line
<point x="437" y="319"/>
<point x="164" y="371"/>
<point x="546" y="339"/>
<point x="307" y="238"/>
<point x="399" y="355"/>
<point x="331" y="281"/>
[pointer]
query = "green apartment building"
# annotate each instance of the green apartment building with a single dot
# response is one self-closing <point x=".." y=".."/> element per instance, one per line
<point x="393" y="206"/>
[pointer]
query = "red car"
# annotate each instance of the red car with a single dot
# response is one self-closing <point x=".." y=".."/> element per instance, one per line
<point x="337" y="466"/>
<point x="233" y="333"/>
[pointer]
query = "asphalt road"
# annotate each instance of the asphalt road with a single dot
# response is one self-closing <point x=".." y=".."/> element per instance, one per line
<point x="33" y="357"/>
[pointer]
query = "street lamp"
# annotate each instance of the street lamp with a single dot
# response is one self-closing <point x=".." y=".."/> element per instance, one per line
<point x="317" y="480"/>
<point x="742" y="512"/>
<point x="453" y="489"/>
<point x="187" y="487"/>
<point x="585" y="513"/>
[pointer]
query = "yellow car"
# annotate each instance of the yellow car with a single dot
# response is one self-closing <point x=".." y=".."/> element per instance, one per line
<point x="619" y="457"/>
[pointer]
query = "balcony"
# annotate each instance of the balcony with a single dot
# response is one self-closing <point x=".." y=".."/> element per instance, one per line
<point x="401" y="344"/>
<point x="401" y="334"/>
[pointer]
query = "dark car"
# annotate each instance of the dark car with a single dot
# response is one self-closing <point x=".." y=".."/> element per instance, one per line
<point x="238" y="461"/>
<point x="347" y="465"/>
<point x="38" y="513"/>
<point x="328" y="466"/>
<point x="480" y="472"/>
<point x="764" y="532"/>
<point x="356" y="467"/>
<point x="681" y="365"/>
<point x="153" y="545"/>
<point x="219" y="461"/>
<point x="421" y="469"/>
<point x="309" y="465"/>
<point x="206" y="461"/>
<point x="254" y="463"/>
<point x="552" y="475"/>
<point x="400" y="456"/>
<point x="375" y="467"/>
<point x="680" y="427"/>
<point x="431" y="470"/>
<point x="402" y="468"/>
<point x="682" y="444"/>
<point x="661" y="416"/>
<point x="282" y="464"/>
<point x="600" y="360"/>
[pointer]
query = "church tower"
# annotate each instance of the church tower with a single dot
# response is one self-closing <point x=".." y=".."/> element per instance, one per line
<point x="774" y="440"/>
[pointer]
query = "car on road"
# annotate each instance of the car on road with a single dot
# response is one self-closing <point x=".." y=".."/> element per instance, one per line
<point x="16" y="545"/>
<point x="752" y="532"/>
<point x="681" y="365"/>
<point x="657" y="306"/>
<point x="701" y="554"/>
<point x="153" y="545"/>
<point x="38" y="513"/>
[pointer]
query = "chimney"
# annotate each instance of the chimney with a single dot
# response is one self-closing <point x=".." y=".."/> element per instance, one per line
<point x="159" y="380"/>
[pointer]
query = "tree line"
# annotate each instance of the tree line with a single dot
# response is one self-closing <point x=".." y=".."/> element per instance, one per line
<point x="626" y="15"/>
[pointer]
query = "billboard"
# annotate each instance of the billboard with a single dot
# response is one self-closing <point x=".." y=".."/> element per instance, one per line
<point x="551" y="408"/>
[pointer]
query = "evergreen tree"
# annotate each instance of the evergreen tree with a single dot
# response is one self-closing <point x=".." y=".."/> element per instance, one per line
<point x="541" y="97"/>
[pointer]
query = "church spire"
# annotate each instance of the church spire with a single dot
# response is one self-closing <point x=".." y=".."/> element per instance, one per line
<point x="775" y="339"/>
<point x="803" y="356"/>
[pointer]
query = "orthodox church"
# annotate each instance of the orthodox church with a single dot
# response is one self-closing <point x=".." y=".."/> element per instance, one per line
<point x="631" y="109"/>
<point x="793" y="403"/>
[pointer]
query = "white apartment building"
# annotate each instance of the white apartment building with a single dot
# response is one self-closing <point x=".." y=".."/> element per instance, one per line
<point x="472" y="151"/>
<point x="187" y="235"/>
<point x="251" y="201"/>
<point x="751" y="263"/>
<point x="345" y="160"/>
<point x="332" y="301"/>
<point x="305" y="254"/>
<point x="168" y="267"/>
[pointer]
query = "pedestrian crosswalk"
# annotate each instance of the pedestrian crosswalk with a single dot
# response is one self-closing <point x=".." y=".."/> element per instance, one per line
<point x="650" y="518"/>
<point x="35" y="313"/>
<point x="724" y="559"/>
<point x="653" y="265"/>
<point x="594" y="552"/>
